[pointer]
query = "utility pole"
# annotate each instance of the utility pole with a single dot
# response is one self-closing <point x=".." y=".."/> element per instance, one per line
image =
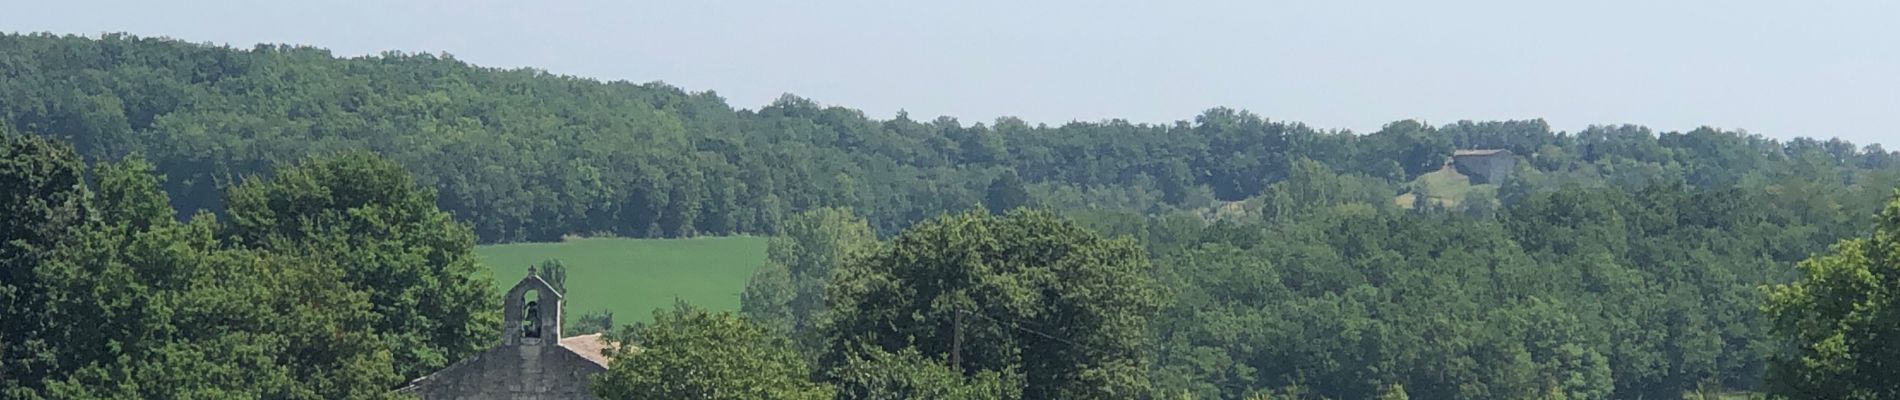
<point x="956" y="341"/>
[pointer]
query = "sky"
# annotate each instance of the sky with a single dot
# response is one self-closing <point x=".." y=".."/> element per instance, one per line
<point x="1777" y="68"/>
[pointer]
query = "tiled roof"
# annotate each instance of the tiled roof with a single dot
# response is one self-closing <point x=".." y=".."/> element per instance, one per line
<point x="589" y="347"/>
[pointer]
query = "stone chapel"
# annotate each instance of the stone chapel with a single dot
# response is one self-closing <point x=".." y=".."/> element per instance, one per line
<point x="533" y="361"/>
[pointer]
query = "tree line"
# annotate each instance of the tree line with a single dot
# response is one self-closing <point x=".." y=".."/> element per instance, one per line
<point x="525" y="155"/>
<point x="186" y="220"/>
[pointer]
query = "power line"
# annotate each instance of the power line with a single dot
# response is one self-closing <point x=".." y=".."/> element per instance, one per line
<point x="1019" y="326"/>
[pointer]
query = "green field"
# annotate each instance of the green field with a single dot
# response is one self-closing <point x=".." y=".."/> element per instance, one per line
<point x="631" y="277"/>
<point x="1446" y="187"/>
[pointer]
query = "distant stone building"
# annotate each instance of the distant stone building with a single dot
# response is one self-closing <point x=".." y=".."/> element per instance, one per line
<point x="531" y="363"/>
<point x="1484" y="166"/>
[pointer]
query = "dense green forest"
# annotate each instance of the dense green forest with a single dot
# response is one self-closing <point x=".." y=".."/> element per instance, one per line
<point x="202" y="213"/>
<point x="527" y="155"/>
<point x="333" y="278"/>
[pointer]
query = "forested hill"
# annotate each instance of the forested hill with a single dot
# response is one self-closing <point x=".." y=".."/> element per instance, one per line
<point x="1270" y="259"/>
<point x="525" y="155"/>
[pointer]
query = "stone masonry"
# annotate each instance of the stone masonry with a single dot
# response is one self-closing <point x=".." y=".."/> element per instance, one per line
<point x="529" y="364"/>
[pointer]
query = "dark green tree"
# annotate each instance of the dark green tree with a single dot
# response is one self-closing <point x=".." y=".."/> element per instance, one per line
<point x="145" y="306"/>
<point x="1417" y="147"/>
<point x="599" y="321"/>
<point x="1027" y="292"/>
<point x="555" y="273"/>
<point x="908" y="374"/>
<point x="43" y="199"/>
<point x="417" y="265"/>
<point x="1843" y="318"/>
<point x="767" y="299"/>
<point x="1006" y="193"/>
<point x="689" y="353"/>
<point x="788" y="292"/>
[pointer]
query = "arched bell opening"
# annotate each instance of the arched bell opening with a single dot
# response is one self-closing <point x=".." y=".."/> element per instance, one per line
<point x="531" y="312"/>
<point x="530" y="325"/>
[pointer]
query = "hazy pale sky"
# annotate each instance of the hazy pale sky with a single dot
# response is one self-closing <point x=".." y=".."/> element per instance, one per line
<point x="1780" y="68"/>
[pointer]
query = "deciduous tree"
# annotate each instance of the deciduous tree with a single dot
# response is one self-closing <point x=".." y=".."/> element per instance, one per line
<point x="1026" y="291"/>
<point x="689" y="353"/>
<point x="1843" y="318"/>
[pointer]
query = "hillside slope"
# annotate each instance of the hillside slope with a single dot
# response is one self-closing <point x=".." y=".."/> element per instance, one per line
<point x="527" y="155"/>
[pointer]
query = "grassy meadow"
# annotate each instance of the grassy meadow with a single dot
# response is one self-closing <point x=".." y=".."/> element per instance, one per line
<point x="631" y="277"/>
<point x="1446" y="187"/>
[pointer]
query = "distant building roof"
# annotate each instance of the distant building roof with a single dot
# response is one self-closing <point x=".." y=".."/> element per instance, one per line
<point x="1478" y="152"/>
<point x="589" y="347"/>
